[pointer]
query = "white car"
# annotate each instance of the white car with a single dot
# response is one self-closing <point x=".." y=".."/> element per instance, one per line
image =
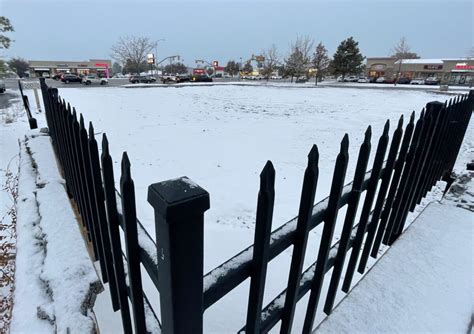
<point x="94" y="79"/>
<point x="276" y="77"/>
<point x="2" y="86"/>
<point x="363" y="80"/>
<point x="417" y="82"/>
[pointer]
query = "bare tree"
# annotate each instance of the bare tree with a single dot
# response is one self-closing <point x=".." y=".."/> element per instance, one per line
<point x="299" y="59"/>
<point x="272" y="60"/>
<point x="321" y="61"/>
<point x="402" y="50"/>
<point x="133" y="50"/>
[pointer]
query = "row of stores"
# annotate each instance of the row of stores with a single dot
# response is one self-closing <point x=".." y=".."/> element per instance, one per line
<point x="451" y="71"/>
<point x="46" y="68"/>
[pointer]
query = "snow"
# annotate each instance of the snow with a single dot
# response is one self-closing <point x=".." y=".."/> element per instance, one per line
<point x="420" y="61"/>
<point x="30" y="292"/>
<point x="419" y="285"/>
<point x="67" y="269"/>
<point x="55" y="281"/>
<point x="220" y="136"/>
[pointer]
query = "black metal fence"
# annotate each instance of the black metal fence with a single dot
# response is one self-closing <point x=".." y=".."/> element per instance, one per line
<point x="403" y="171"/>
<point x="26" y="103"/>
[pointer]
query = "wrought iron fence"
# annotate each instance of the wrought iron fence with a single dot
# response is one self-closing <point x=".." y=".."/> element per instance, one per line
<point x="403" y="171"/>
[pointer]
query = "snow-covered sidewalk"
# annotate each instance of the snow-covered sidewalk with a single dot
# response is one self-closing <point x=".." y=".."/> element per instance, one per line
<point x="423" y="283"/>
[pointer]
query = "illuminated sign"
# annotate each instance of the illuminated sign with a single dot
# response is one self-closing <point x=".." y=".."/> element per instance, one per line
<point x="102" y="65"/>
<point x="463" y="66"/>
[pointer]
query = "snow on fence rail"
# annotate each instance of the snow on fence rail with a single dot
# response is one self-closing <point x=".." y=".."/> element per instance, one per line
<point x="418" y="156"/>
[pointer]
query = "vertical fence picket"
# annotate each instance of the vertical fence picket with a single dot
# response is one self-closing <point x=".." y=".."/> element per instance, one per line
<point x="98" y="198"/>
<point x="428" y="164"/>
<point x="394" y="185"/>
<point x="81" y="182"/>
<point x="263" y="227"/>
<point x="352" y="204"/>
<point x="414" y="175"/>
<point x="464" y="115"/>
<point x="391" y="224"/>
<point x="127" y="189"/>
<point x="90" y="203"/>
<point x="114" y="237"/>
<point x="432" y="175"/>
<point x="367" y="206"/>
<point x="386" y="177"/>
<point x="301" y="239"/>
<point x="422" y="171"/>
<point x="328" y="231"/>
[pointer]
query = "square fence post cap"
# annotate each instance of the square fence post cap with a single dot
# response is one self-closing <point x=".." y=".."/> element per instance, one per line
<point x="178" y="198"/>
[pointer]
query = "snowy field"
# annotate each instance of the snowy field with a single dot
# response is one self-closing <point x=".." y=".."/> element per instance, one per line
<point x="221" y="137"/>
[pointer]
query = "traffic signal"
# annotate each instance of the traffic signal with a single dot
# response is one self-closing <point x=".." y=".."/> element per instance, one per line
<point x="215" y="63"/>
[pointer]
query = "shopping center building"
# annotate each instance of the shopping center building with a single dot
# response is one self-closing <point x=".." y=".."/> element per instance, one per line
<point x="452" y="71"/>
<point x="48" y="68"/>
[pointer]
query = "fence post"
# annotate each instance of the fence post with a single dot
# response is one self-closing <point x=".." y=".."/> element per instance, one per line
<point x="179" y="206"/>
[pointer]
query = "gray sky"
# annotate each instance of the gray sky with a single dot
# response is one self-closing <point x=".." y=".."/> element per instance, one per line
<point x="227" y="29"/>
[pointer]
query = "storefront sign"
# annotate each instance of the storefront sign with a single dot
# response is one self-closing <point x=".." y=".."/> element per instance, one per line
<point x="102" y="65"/>
<point x="463" y="66"/>
<point x="82" y="65"/>
<point x="199" y="71"/>
<point x="62" y="65"/>
<point x="433" y="67"/>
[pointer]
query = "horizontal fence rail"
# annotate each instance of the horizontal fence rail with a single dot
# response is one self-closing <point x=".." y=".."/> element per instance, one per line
<point x="405" y="168"/>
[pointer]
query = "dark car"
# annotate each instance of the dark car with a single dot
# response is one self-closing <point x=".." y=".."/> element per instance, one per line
<point x="67" y="78"/>
<point x="201" y="78"/>
<point x="404" y="81"/>
<point x="141" y="79"/>
<point x="183" y="78"/>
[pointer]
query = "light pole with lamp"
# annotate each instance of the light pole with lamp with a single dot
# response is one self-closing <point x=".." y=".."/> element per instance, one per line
<point x="156" y="54"/>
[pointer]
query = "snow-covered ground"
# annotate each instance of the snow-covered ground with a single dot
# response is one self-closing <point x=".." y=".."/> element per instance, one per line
<point x="221" y="136"/>
<point x="418" y="285"/>
<point x="55" y="283"/>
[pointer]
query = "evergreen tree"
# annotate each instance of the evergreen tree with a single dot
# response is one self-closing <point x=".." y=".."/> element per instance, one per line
<point x="248" y="68"/>
<point x="232" y="67"/>
<point x="19" y="65"/>
<point x="347" y="59"/>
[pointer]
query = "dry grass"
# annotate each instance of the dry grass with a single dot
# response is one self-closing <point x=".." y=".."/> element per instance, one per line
<point x="8" y="250"/>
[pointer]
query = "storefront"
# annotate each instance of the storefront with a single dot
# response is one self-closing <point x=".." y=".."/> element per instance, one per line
<point x="452" y="71"/>
<point x="42" y="68"/>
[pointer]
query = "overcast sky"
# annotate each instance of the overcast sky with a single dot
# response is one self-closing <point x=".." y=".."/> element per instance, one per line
<point x="227" y="29"/>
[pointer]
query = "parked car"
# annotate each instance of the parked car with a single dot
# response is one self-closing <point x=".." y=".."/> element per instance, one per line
<point x="276" y="77"/>
<point x="168" y="78"/>
<point x="351" y="78"/>
<point x="403" y="81"/>
<point x="201" y="78"/>
<point x="301" y="80"/>
<point x="2" y="86"/>
<point x="141" y="79"/>
<point x="183" y="78"/>
<point x="57" y="76"/>
<point x="94" y="79"/>
<point x="432" y="81"/>
<point x="67" y="78"/>
<point x="363" y="80"/>
<point x="417" y="81"/>
<point x="381" y="80"/>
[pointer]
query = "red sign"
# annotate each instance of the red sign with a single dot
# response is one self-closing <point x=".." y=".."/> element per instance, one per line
<point x="102" y="65"/>
<point x="463" y="66"/>
<point x="198" y="71"/>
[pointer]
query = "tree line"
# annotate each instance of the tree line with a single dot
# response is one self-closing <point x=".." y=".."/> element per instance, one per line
<point x="305" y="59"/>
